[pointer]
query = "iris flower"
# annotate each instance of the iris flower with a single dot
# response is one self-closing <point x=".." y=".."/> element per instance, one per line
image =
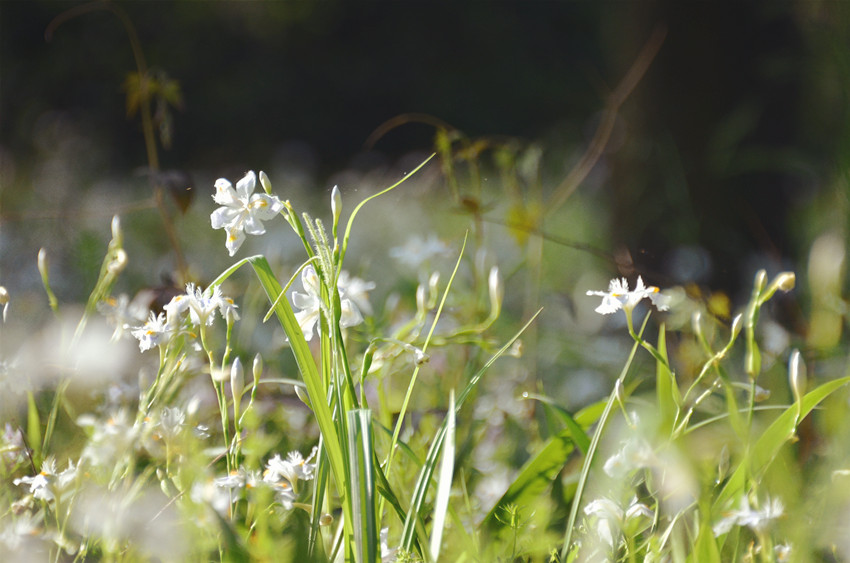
<point x="619" y="297"/>
<point x="242" y="211"/>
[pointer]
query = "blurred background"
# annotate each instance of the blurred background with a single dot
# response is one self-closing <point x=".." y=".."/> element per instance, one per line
<point x="729" y="154"/>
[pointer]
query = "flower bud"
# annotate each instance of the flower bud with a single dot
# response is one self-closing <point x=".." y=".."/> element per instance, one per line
<point x="117" y="234"/>
<point x="43" y="265"/>
<point x="797" y="376"/>
<point x="494" y="283"/>
<point x="257" y="368"/>
<point x="237" y="382"/>
<point x="266" y="183"/>
<point x="760" y="280"/>
<point x="336" y="204"/>
<point x="737" y="324"/>
<point x="420" y="299"/>
<point x="4" y="301"/>
<point x="786" y="281"/>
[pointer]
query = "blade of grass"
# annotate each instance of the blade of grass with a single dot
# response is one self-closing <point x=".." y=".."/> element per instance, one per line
<point x="362" y="473"/>
<point x="444" y="487"/>
<point x="594" y="444"/>
<point x="412" y="520"/>
<point x="535" y="476"/>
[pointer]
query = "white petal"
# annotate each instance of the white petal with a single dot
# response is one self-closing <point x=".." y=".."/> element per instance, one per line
<point x="223" y="217"/>
<point x="235" y="238"/>
<point x="224" y="194"/>
<point x="306" y="320"/>
<point x="245" y="186"/>
<point x="253" y="226"/>
<point x="265" y="207"/>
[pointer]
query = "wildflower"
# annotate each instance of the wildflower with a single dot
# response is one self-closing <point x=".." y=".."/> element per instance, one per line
<point x="48" y="482"/>
<point x="293" y="469"/>
<point x="122" y="313"/>
<point x="418" y="251"/>
<point x="619" y="297"/>
<point x="242" y="211"/>
<point x="610" y="516"/>
<point x="355" y="289"/>
<point x="756" y="520"/>
<point x="635" y="454"/>
<point x="171" y="422"/>
<point x="201" y="306"/>
<point x="109" y="439"/>
<point x="153" y="333"/>
<point x="310" y="303"/>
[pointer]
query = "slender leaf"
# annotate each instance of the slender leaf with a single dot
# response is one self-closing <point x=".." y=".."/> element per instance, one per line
<point x="535" y="476"/>
<point x="773" y="438"/>
<point x="444" y="487"/>
<point x="362" y="474"/>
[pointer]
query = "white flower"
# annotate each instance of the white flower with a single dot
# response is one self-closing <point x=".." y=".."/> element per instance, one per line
<point x="201" y="306"/>
<point x="610" y="517"/>
<point x="355" y="289"/>
<point x="242" y="211"/>
<point x="48" y="482"/>
<point x="310" y="304"/>
<point x="756" y="520"/>
<point x="153" y="333"/>
<point x="635" y="454"/>
<point x="619" y="297"/>
<point x="418" y="251"/>
<point x="293" y="468"/>
<point x="122" y="313"/>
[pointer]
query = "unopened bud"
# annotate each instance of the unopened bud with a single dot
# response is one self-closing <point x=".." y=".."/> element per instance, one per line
<point x="237" y="382"/>
<point x="4" y="301"/>
<point x="737" y="324"/>
<point x="266" y="183"/>
<point x="43" y="265"/>
<point x="797" y="376"/>
<point x="336" y="204"/>
<point x="257" y="368"/>
<point x="786" y="281"/>
<point x="433" y="289"/>
<point x="494" y="284"/>
<point x="760" y="280"/>
<point x="117" y="234"/>
<point x="420" y="299"/>
<point x="326" y="519"/>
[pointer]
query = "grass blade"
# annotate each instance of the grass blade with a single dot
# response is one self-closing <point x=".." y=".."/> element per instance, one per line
<point x="444" y="486"/>
<point x="362" y="474"/>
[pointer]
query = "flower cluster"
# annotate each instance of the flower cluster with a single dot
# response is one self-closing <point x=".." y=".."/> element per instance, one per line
<point x="284" y="474"/>
<point x="201" y="306"/>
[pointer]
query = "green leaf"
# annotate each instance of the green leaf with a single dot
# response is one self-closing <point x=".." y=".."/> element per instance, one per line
<point x="705" y="548"/>
<point x="575" y="430"/>
<point x="773" y="438"/>
<point x="34" y="429"/>
<point x="535" y="476"/>
<point x="444" y="486"/>
<point x="412" y="521"/>
<point x="362" y="474"/>
<point x="667" y="392"/>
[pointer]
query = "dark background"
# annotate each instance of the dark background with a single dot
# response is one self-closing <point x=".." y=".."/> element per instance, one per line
<point x="739" y="123"/>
